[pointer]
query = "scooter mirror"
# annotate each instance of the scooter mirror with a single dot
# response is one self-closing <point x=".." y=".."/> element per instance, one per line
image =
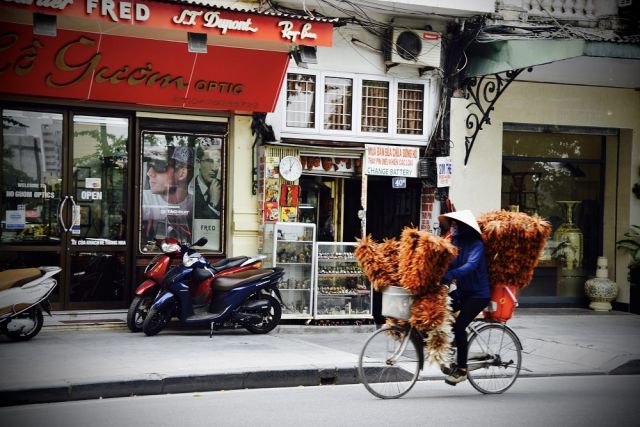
<point x="201" y="242"/>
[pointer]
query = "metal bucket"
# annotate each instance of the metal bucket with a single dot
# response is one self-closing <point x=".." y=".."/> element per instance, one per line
<point x="396" y="302"/>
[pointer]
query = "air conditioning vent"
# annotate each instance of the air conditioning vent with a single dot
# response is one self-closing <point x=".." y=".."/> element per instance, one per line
<point x="414" y="47"/>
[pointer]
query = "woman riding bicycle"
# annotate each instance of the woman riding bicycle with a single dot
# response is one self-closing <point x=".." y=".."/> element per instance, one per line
<point x="469" y="270"/>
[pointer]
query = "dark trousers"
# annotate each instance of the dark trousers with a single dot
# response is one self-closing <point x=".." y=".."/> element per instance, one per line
<point x="469" y="309"/>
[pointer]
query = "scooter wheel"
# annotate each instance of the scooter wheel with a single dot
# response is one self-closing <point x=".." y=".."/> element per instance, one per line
<point x="155" y="322"/>
<point x="138" y="311"/>
<point x="270" y="316"/>
<point x="26" y="333"/>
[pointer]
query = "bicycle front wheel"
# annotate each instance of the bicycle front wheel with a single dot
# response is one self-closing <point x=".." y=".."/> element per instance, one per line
<point x="389" y="362"/>
<point x="495" y="359"/>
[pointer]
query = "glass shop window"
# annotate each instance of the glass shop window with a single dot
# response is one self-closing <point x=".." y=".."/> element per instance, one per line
<point x="182" y="189"/>
<point x="559" y="176"/>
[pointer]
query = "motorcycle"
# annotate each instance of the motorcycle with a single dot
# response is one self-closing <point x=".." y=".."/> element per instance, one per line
<point x="24" y="294"/>
<point x="249" y="299"/>
<point x="157" y="268"/>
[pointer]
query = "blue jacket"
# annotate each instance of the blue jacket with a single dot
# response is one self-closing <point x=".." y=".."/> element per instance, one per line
<point x="469" y="268"/>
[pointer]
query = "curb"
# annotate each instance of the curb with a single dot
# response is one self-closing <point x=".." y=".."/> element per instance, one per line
<point x="182" y="384"/>
<point x="304" y="377"/>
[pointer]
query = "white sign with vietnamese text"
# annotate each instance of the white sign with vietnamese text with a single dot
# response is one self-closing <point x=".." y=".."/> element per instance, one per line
<point x="388" y="160"/>
<point x="443" y="164"/>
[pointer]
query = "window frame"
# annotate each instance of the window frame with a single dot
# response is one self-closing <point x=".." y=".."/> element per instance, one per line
<point x="317" y="110"/>
<point x="425" y="104"/>
<point x="356" y="107"/>
<point x="321" y="98"/>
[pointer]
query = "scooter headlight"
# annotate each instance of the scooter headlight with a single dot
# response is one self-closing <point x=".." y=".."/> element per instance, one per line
<point x="189" y="259"/>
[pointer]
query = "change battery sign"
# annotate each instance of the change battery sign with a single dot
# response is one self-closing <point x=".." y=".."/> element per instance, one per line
<point x="389" y="160"/>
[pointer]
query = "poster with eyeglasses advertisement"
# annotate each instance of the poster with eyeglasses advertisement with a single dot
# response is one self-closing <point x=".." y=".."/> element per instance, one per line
<point x="182" y="189"/>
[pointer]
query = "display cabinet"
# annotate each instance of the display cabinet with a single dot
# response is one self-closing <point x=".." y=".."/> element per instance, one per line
<point x="291" y="245"/>
<point x="342" y="290"/>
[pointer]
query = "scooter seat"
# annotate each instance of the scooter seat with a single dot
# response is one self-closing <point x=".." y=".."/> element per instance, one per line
<point x="226" y="283"/>
<point x="229" y="262"/>
<point x="18" y="277"/>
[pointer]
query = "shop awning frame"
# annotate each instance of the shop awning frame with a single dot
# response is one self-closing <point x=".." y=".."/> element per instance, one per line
<point x="494" y="65"/>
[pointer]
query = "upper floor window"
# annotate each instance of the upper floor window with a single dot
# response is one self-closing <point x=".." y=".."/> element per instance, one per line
<point x="301" y="100"/>
<point x="410" y="108"/>
<point x="329" y="103"/>
<point x="375" y="106"/>
<point x="338" y="101"/>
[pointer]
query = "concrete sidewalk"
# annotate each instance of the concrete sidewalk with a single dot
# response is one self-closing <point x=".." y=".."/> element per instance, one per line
<point x="73" y="359"/>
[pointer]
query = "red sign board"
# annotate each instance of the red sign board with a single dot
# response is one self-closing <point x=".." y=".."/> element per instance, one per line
<point x="100" y="67"/>
<point x="99" y="14"/>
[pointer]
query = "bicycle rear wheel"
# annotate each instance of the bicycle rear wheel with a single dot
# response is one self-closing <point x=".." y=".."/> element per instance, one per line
<point x="495" y="358"/>
<point x="389" y="362"/>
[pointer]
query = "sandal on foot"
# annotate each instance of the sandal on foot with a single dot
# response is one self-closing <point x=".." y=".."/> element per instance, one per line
<point x="456" y="377"/>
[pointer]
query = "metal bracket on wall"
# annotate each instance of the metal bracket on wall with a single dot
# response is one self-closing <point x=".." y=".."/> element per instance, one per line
<point x="484" y="93"/>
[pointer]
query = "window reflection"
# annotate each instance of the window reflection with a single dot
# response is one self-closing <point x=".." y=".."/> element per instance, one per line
<point x="31" y="172"/>
<point x="97" y="276"/>
<point x="541" y="173"/>
<point x="100" y="178"/>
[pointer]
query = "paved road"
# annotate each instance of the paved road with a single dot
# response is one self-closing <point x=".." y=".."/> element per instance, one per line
<point x="62" y="364"/>
<point x="594" y="401"/>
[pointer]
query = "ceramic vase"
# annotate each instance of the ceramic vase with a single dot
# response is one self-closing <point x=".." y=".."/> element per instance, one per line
<point x="570" y="234"/>
<point x="600" y="290"/>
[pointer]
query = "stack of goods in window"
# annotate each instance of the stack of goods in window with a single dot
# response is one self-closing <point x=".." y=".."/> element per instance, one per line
<point x="418" y="260"/>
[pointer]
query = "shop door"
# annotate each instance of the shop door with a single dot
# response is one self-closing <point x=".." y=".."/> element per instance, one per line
<point x="389" y="209"/>
<point x="65" y="200"/>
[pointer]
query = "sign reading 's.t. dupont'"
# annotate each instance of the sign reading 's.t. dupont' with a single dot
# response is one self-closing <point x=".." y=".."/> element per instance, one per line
<point x="185" y="17"/>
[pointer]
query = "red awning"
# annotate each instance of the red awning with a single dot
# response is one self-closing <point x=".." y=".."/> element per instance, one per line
<point x="101" y="67"/>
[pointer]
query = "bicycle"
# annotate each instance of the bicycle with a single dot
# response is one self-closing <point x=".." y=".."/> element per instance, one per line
<point x="392" y="358"/>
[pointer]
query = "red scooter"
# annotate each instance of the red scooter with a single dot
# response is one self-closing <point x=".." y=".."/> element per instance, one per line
<point x="158" y="267"/>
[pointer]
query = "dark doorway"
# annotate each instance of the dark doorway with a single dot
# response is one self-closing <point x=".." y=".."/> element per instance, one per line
<point x="389" y="210"/>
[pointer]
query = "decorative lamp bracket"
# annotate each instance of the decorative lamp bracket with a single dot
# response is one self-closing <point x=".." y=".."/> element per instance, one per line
<point x="484" y="93"/>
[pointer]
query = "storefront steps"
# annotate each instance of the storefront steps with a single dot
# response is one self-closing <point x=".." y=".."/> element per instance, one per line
<point x="80" y="319"/>
<point x="116" y="319"/>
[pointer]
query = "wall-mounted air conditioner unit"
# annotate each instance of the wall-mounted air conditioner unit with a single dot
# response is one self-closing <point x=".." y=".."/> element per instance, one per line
<point x="414" y="47"/>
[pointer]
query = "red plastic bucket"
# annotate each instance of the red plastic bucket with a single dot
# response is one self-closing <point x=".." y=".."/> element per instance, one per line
<point x="503" y="303"/>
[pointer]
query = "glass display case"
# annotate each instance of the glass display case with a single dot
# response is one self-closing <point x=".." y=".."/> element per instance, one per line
<point x="342" y="290"/>
<point x="291" y="245"/>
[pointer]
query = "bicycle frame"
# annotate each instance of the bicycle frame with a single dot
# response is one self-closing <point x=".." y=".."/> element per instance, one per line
<point x="417" y="338"/>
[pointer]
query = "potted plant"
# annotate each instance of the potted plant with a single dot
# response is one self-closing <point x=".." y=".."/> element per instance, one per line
<point x="631" y="243"/>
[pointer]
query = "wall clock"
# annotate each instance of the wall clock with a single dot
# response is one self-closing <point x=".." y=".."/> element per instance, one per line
<point x="290" y="168"/>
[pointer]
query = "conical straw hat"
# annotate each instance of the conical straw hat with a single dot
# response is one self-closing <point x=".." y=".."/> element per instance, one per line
<point x="465" y="216"/>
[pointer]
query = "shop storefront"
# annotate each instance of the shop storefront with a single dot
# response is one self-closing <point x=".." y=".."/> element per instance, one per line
<point x="116" y="133"/>
<point x="569" y="154"/>
<point x="344" y="163"/>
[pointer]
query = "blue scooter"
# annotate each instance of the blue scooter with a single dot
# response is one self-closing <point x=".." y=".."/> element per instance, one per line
<point x="249" y="299"/>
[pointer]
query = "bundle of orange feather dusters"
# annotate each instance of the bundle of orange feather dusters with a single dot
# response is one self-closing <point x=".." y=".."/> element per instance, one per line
<point x="513" y="242"/>
<point x="417" y="263"/>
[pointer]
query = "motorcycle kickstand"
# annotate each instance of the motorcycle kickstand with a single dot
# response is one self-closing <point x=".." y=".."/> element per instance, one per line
<point x="211" y="331"/>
